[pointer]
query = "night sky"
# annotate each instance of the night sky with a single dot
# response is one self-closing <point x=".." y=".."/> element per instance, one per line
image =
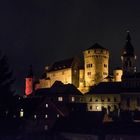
<point x="39" y="32"/>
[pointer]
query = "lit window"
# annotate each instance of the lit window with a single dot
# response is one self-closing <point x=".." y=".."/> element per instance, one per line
<point x="46" y="116"/>
<point x="75" y="71"/>
<point x="35" y="116"/>
<point x="72" y="99"/>
<point x="60" y="99"/>
<point x="46" y="105"/>
<point x="6" y="112"/>
<point x="46" y="127"/>
<point x="21" y="113"/>
<point x="58" y="115"/>
<point x="97" y="108"/>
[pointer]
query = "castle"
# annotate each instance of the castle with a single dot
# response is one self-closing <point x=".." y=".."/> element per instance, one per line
<point x="94" y="71"/>
<point x="100" y="89"/>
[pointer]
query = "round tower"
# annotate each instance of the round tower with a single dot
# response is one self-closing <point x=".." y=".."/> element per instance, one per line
<point x="128" y="57"/>
<point x="29" y="82"/>
<point x="96" y="60"/>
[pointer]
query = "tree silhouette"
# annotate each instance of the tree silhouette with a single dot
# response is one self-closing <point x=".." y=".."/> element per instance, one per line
<point x="6" y="81"/>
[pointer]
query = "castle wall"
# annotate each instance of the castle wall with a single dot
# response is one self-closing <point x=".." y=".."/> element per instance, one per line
<point x="97" y="101"/>
<point x="64" y="75"/>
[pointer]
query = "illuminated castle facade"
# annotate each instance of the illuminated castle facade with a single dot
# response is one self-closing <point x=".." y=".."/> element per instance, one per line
<point x="100" y="89"/>
<point x="94" y="71"/>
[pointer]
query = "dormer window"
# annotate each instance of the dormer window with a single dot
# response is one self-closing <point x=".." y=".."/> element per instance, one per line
<point x="60" y="99"/>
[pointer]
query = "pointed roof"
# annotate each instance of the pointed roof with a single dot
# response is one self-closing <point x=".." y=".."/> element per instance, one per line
<point x="97" y="46"/>
<point x="128" y="48"/>
<point x="68" y="89"/>
<point x="30" y="72"/>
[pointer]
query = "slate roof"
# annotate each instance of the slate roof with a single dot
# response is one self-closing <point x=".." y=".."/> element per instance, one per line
<point x="63" y="64"/>
<point x="106" y="88"/>
<point x="96" y="46"/>
<point x="59" y="88"/>
<point x="112" y="88"/>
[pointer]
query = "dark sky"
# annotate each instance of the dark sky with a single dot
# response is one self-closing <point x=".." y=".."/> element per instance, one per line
<point x="39" y="32"/>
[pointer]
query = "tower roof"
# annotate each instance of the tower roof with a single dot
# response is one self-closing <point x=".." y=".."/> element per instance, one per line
<point x="97" y="46"/>
<point x="128" y="48"/>
<point x="30" y="72"/>
<point x="63" y="64"/>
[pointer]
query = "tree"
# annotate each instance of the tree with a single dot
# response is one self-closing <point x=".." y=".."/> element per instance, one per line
<point x="6" y="81"/>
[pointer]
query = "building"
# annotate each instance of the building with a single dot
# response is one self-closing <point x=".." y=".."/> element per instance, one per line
<point x="100" y="89"/>
<point x="96" y="62"/>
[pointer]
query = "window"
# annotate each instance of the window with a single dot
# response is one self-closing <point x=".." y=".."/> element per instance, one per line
<point x="46" y="127"/>
<point x="108" y="99"/>
<point x="115" y="100"/>
<point x="88" y="51"/>
<point x="104" y="73"/>
<point x="88" y="73"/>
<point x="117" y="74"/>
<point x="105" y="65"/>
<point x="89" y="65"/>
<point x="102" y="99"/>
<point x="21" y="113"/>
<point x="58" y="115"/>
<point x="90" y="107"/>
<point x="46" y="105"/>
<point x="35" y="116"/>
<point x="72" y="99"/>
<point x="60" y="99"/>
<point x="63" y="72"/>
<point x="90" y="99"/>
<point x="96" y="100"/>
<point x="97" y="108"/>
<point x="46" y="116"/>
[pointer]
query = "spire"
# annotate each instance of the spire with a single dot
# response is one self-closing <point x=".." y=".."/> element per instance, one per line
<point x="30" y="72"/>
<point x="128" y="48"/>
<point x="128" y="38"/>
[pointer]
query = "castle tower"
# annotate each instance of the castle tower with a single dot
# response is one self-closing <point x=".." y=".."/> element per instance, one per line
<point x="29" y="82"/>
<point x="128" y="57"/>
<point x="96" y="64"/>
